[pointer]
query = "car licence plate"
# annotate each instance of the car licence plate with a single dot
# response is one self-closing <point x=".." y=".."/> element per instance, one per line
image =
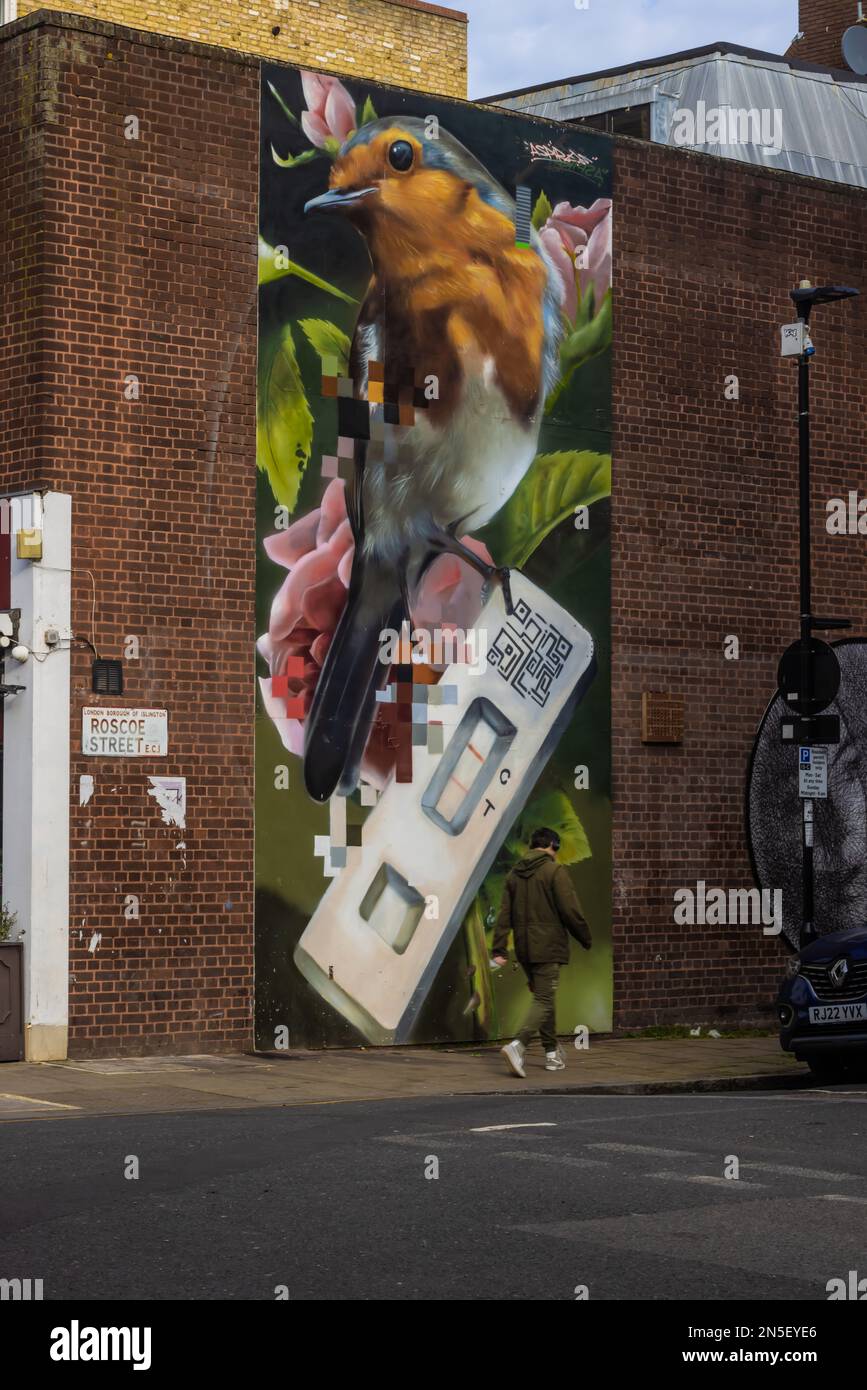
<point x="838" y="1013"/>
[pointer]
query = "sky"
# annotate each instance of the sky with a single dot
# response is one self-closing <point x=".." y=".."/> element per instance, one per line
<point x="518" y="43"/>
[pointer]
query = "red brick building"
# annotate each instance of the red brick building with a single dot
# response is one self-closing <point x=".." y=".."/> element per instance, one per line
<point x="821" y="25"/>
<point x="128" y="314"/>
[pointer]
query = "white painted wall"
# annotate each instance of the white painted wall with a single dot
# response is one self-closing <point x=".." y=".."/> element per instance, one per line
<point x="36" y="783"/>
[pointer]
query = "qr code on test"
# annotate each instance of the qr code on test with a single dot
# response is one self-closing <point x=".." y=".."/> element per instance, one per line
<point x="529" y="653"/>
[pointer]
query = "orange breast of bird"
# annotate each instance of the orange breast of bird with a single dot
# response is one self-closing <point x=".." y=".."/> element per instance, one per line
<point x="458" y="296"/>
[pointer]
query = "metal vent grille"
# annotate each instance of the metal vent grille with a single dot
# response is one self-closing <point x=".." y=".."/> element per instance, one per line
<point x="661" y="717"/>
<point x="106" y="677"/>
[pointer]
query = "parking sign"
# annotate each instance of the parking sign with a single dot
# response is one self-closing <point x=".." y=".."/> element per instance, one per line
<point x="813" y="773"/>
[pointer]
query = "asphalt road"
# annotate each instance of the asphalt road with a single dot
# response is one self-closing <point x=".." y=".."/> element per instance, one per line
<point x="535" y="1197"/>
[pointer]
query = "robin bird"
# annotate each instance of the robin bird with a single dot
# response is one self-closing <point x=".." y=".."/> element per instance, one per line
<point x="454" y="299"/>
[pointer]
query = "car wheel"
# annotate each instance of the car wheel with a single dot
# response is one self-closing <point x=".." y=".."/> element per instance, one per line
<point x="825" y="1068"/>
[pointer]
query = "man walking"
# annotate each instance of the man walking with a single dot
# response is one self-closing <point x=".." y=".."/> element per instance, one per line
<point x="539" y="907"/>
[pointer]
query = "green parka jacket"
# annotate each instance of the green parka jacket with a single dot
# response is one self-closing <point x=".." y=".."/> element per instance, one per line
<point x="539" y="907"/>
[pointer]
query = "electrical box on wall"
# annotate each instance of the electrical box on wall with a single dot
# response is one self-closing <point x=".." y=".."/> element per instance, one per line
<point x="28" y="544"/>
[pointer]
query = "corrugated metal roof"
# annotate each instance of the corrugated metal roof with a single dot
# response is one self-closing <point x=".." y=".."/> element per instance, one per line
<point x="805" y="119"/>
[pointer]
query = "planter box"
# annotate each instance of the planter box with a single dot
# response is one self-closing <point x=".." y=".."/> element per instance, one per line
<point x="11" y="1011"/>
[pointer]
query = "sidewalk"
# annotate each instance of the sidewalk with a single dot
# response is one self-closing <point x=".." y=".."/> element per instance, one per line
<point x="136" y="1085"/>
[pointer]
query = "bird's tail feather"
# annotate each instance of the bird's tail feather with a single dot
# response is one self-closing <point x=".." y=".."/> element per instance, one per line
<point x="341" y="715"/>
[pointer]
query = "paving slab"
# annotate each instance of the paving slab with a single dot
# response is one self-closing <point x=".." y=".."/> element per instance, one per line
<point x="132" y="1085"/>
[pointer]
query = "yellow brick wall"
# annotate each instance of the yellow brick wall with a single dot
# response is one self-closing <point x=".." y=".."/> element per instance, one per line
<point x="399" y="41"/>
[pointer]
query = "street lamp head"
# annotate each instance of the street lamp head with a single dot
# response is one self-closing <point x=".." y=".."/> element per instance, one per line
<point x="807" y="295"/>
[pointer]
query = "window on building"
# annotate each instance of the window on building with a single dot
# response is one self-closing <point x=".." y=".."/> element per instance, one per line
<point x="628" y="120"/>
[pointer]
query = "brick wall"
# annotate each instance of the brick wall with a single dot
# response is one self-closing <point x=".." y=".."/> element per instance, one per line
<point x="139" y="257"/>
<point x="23" y="113"/>
<point x="406" y="42"/>
<point x="705" y="533"/>
<point x="823" y="23"/>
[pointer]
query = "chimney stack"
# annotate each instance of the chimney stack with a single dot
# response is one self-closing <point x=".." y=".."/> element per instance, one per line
<point x="823" y="24"/>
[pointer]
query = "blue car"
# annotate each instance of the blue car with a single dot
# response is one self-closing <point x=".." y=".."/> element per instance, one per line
<point x="822" y="1006"/>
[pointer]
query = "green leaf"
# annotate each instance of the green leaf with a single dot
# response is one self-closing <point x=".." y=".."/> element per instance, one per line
<point x="284" y="424"/>
<point x="586" y="306"/>
<point x="542" y="211"/>
<point x="549" y="492"/>
<point x="281" y="103"/>
<point x="478" y="956"/>
<point x="586" y="340"/>
<point x="331" y="343"/>
<point x="270" y="270"/>
<point x="367" y="112"/>
<point x="292" y="159"/>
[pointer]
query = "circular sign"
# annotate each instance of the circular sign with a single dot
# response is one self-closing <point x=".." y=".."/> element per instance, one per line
<point x="825" y="677"/>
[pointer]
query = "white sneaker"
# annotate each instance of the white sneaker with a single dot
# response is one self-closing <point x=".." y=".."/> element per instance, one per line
<point x="554" y="1061"/>
<point x="514" y="1055"/>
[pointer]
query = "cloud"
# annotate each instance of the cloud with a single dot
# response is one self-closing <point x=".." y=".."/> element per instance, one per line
<point x="515" y="43"/>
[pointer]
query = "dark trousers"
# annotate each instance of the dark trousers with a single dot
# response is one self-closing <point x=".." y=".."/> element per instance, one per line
<point x="542" y="980"/>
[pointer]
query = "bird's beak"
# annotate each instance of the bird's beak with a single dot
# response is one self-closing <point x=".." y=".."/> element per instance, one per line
<point x="338" y="199"/>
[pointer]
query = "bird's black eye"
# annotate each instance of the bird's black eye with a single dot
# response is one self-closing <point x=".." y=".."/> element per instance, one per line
<point x="400" y="155"/>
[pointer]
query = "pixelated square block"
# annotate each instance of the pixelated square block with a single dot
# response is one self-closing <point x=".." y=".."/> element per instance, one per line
<point x="344" y="386"/>
<point x="353" y="834"/>
<point x="369" y="794"/>
<point x="376" y="371"/>
<point x="293" y="702"/>
<point x="329" y="387"/>
<point x="338" y="856"/>
<point x="330" y="466"/>
<point x="375" y="392"/>
<point x="419" y="735"/>
<point x="353" y="418"/>
<point x="407" y="415"/>
<point x="435" y="738"/>
<point x="345" y="447"/>
<point x="330" y="366"/>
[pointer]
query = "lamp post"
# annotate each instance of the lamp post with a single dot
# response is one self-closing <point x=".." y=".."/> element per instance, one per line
<point x="809" y="674"/>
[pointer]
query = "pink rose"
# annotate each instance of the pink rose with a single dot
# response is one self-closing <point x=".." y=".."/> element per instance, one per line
<point x="580" y="237"/>
<point x="330" y="113"/>
<point x="317" y="552"/>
